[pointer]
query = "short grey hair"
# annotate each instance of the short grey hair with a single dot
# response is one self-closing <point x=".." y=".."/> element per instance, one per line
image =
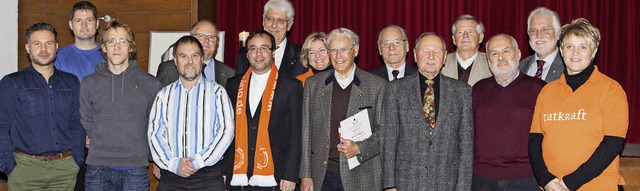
<point x="282" y="5"/>
<point x="514" y="43"/>
<point x="404" y="33"/>
<point x="444" y="45"/>
<point x="353" y="37"/>
<point x="544" y="11"/>
<point x="467" y="17"/>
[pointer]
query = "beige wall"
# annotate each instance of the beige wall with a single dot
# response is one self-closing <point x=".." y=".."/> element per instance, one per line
<point x="141" y="15"/>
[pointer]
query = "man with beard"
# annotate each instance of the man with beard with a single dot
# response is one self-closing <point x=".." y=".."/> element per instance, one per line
<point x="207" y="33"/>
<point x="393" y="47"/>
<point x="114" y="105"/>
<point x="277" y="19"/>
<point x="503" y="110"/>
<point x="81" y="57"/>
<point x="543" y="27"/>
<point x="467" y="64"/>
<point x="190" y="125"/>
<point x="41" y="137"/>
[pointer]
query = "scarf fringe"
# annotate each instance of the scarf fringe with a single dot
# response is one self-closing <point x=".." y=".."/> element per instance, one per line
<point x="239" y="180"/>
<point x="263" y="180"/>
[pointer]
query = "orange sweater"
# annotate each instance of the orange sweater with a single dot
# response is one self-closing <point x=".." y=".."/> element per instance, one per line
<point x="574" y="124"/>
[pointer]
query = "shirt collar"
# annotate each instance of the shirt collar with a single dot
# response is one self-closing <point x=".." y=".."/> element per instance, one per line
<point x="466" y="63"/>
<point x="400" y="69"/>
<point x="331" y="78"/>
<point x="179" y="83"/>
<point x="549" y="59"/>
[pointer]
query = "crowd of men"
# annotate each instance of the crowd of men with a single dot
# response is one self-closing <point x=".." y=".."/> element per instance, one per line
<point x="452" y="121"/>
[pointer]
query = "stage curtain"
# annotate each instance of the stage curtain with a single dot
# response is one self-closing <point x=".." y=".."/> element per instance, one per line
<point x="617" y="55"/>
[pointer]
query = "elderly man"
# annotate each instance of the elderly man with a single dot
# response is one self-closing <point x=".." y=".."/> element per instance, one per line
<point x="329" y="98"/>
<point x="114" y="105"/>
<point x="207" y="33"/>
<point x="277" y="19"/>
<point x="265" y="154"/>
<point x="543" y="27"/>
<point x="81" y="57"/>
<point x="190" y="125"/>
<point x="393" y="47"/>
<point x="427" y="126"/>
<point x="467" y="64"/>
<point x="41" y="138"/>
<point x="502" y="110"/>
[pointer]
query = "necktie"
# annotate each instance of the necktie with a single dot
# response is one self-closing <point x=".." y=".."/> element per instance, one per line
<point x="429" y="106"/>
<point x="539" y="71"/>
<point x="204" y="65"/>
<point x="395" y="74"/>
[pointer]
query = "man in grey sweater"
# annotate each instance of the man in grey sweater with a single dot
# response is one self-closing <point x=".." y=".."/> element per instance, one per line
<point x="114" y="104"/>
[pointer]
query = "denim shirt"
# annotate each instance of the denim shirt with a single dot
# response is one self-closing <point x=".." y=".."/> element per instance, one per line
<point x="39" y="118"/>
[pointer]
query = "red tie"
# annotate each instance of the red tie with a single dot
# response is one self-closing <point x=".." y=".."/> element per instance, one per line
<point x="539" y="71"/>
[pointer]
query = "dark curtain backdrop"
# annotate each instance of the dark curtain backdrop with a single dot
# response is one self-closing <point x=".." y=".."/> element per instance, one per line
<point x="617" y="56"/>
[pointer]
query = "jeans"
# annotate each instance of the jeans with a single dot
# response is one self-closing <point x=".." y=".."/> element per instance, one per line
<point x="104" y="178"/>
<point x="480" y="183"/>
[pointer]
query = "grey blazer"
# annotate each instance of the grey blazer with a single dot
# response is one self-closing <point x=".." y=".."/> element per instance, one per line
<point x="168" y="73"/>
<point x="366" y="93"/>
<point x="556" y="69"/>
<point x="410" y="161"/>
<point x="479" y="69"/>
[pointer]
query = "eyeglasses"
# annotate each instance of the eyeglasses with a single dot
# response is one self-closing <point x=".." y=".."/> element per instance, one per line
<point x="205" y="38"/>
<point x="342" y="51"/>
<point x="393" y="43"/>
<point x="261" y="49"/>
<point x="278" y="21"/>
<point x="121" y="43"/>
<point x="542" y="31"/>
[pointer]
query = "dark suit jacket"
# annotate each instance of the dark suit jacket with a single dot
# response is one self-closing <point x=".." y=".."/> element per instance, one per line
<point x="412" y="161"/>
<point x="168" y="72"/>
<point x="382" y="71"/>
<point x="289" y="65"/>
<point x="556" y="69"/>
<point x="366" y="92"/>
<point x="284" y="128"/>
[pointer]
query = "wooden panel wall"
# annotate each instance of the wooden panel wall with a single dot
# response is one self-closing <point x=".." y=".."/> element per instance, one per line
<point x="142" y="16"/>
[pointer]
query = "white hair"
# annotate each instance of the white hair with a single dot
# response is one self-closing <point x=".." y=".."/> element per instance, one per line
<point x="353" y="37"/>
<point x="282" y="5"/>
<point x="544" y="11"/>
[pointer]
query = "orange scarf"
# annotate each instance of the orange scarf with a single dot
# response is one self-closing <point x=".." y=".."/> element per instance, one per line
<point x="263" y="161"/>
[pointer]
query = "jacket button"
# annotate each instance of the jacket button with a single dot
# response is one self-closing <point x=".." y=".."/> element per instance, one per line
<point x="327" y="146"/>
<point x="430" y="143"/>
<point x="325" y="162"/>
<point x="426" y="167"/>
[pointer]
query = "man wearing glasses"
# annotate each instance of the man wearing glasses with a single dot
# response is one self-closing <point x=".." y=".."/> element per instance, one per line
<point x="265" y="154"/>
<point x="543" y="27"/>
<point x="331" y="97"/>
<point x="393" y="47"/>
<point x="277" y="19"/>
<point x="114" y="105"/>
<point x="207" y="33"/>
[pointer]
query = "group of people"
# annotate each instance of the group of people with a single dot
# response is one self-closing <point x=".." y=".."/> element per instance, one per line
<point x="465" y="120"/>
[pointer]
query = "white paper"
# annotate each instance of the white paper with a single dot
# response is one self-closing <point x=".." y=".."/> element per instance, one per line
<point x="355" y="128"/>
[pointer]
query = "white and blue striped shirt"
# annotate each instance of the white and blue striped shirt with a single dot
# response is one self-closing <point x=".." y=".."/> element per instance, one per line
<point x="197" y="123"/>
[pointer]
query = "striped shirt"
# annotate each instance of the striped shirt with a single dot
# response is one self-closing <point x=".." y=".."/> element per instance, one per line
<point x="197" y="123"/>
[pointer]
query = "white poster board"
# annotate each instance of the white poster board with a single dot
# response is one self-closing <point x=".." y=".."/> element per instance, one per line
<point x="160" y="41"/>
